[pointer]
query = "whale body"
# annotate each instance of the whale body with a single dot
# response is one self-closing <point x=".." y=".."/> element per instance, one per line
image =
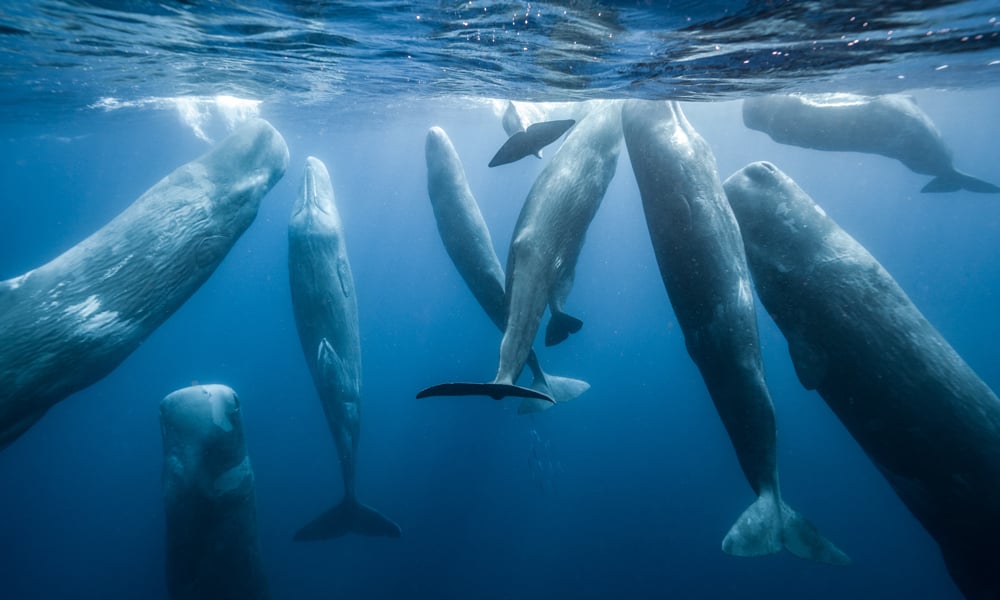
<point x="70" y="322"/>
<point x="921" y="414"/>
<point x="891" y="125"/>
<point x="700" y="254"/>
<point x="326" y="317"/>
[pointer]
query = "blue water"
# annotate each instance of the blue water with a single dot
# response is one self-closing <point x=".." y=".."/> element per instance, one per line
<point x="626" y="491"/>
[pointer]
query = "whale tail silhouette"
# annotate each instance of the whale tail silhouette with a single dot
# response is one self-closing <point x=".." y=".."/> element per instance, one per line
<point x="350" y="516"/>
<point x="956" y="180"/>
<point x="561" y="389"/>
<point x="769" y="524"/>
<point x="530" y="141"/>
<point x="560" y="327"/>
<point x="493" y="390"/>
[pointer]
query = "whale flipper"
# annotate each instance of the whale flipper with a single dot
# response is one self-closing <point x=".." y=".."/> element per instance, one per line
<point x="811" y="364"/>
<point x="560" y="327"/>
<point x="493" y="390"/>
<point x="769" y="524"/>
<point x="530" y="141"/>
<point x="334" y="372"/>
<point x="350" y="516"/>
<point x="952" y="182"/>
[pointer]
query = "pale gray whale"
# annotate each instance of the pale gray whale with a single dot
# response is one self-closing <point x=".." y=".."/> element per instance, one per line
<point x="326" y="316"/>
<point x="891" y="125"/>
<point x="70" y="322"/>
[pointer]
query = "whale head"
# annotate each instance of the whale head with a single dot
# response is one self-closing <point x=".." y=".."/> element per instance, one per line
<point x="782" y="227"/>
<point x="246" y="165"/>
<point x="202" y="437"/>
<point x="438" y="148"/>
<point x="315" y="207"/>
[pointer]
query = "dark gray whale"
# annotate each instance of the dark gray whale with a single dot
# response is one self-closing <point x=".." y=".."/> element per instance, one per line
<point x="213" y="549"/>
<point x="326" y="316"/>
<point x="70" y="322"/>
<point x="891" y="125"/>
<point x="468" y="242"/>
<point x="925" y="419"/>
<point x="698" y="248"/>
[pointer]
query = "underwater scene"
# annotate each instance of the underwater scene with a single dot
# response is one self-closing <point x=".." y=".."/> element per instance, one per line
<point x="499" y="300"/>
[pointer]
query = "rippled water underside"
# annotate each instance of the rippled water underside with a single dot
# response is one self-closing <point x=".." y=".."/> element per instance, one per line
<point x="74" y="54"/>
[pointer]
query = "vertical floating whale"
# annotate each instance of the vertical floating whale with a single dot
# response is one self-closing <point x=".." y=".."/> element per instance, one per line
<point x="469" y="244"/>
<point x="698" y="248"/>
<point x="213" y="550"/>
<point x="70" y="322"/>
<point x="326" y="316"/>
<point x="920" y="413"/>
<point x="547" y="240"/>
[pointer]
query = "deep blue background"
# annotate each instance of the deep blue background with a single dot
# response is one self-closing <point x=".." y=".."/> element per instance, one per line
<point x="638" y="480"/>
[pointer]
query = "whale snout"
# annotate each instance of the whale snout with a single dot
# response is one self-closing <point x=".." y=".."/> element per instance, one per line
<point x="194" y="416"/>
<point x="438" y="145"/>
<point x="764" y="203"/>
<point x="316" y="195"/>
<point x="256" y="149"/>
<point x="747" y="188"/>
<point x="757" y="113"/>
<point x="761" y="172"/>
<point x="436" y="135"/>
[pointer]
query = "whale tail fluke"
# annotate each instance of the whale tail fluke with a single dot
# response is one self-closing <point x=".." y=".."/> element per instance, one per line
<point x="564" y="389"/>
<point x="769" y="524"/>
<point x="804" y="540"/>
<point x="956" y="180"/>
<point x="350" y="516"/>
<point x="758" y="530"/>
<point x="530" y="141"/>
<point x="493" y="390"/>
<point x="560" y="327"/>
<point x="560" y="389"/>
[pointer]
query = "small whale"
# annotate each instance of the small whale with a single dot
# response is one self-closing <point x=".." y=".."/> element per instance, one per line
<point x="530" y="141"/>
